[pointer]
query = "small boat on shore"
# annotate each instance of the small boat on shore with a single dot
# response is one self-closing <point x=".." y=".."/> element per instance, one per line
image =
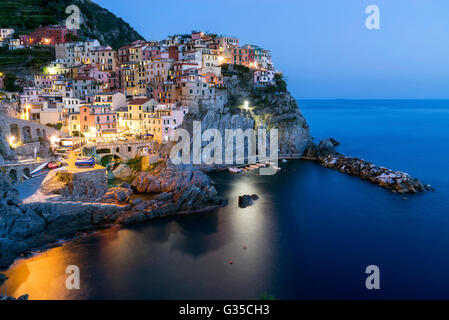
<point x="234" y="170"/>
<point x="43" y="168"/>
<point x="85" y="162"/>
<point x="53" y="165"/>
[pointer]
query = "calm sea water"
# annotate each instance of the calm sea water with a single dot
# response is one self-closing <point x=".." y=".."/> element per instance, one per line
<point x="310" y="235"/>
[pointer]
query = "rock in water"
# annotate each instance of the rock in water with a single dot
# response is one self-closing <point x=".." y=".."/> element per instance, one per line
<point x="326" y="147"/>
<point x="247" y="200"/>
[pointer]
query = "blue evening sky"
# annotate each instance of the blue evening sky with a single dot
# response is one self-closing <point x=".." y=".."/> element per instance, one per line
<point x="321" y="46"/>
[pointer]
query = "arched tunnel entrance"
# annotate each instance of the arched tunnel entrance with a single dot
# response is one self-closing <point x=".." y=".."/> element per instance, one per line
<point x="110" y="160"/>
<point x="27" y="172"/>
<point x="13" y="175"/>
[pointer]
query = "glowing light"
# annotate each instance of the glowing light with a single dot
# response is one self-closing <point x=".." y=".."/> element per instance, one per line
<point x="246" y="105"/>
<point x="12" y="142"/>
<point x="54" y="140"/>
<point x="51" y="70"/>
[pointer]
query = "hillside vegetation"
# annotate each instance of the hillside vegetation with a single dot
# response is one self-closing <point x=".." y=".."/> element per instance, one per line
<point x="97" y="23"/>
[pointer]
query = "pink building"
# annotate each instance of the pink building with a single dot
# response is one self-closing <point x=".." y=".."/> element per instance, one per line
<point x="104" y="118"/>
<point x="91" y="71"/>
<point x="264" y="77"/>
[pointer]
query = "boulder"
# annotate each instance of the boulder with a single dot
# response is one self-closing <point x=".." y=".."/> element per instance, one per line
<point x="326" y="147"/>
<point x="188" y="188"/>
<point x="125" y="185"/>
<point x="123" y="171"/>
<point x="245" y="201"/>
<point x="117" y="194"/>
<point x="164" y="196"/>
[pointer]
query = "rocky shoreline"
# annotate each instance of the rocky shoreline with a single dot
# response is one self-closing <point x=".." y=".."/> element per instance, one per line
<point x="397" y="181"/>
<point x="27" y="227"/>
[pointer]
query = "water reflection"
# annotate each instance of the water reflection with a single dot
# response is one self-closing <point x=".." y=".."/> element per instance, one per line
<point x="162" y="254"/>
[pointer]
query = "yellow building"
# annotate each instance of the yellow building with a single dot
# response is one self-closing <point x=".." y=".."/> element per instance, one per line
<point x="132" y="119"/>
<point x="153" y="125"/>
<point x="134" y="81"/>
<point x="74" y="127"/>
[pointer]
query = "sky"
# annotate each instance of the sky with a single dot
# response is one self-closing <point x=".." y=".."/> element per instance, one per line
<point x="322" y="47"/>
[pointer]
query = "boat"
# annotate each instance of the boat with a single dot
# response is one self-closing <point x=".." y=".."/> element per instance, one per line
<point x="234" y="170"/>
<point x="52" y="165"/>
<point x="85" y="162"/>
<point x="284" y="160"/>
<point x="43" y="168"/>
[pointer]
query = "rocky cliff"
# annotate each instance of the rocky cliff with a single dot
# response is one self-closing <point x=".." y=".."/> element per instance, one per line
<point x="270" y="107"/>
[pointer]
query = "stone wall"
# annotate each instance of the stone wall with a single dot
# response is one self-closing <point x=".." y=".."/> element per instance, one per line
<point x="81" y="185"/>
<point x="25" y="131"/>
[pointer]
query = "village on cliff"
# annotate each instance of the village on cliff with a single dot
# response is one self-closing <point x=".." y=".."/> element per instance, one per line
<point x="145" y="89"/>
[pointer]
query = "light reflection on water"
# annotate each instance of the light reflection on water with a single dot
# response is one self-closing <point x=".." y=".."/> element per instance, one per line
<point x="158" y="252"/>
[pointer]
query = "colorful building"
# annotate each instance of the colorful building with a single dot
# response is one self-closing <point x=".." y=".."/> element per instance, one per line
<point x="48" y="36"/>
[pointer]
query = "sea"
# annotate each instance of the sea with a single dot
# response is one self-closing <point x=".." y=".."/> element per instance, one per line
<point x="312" y="234"/>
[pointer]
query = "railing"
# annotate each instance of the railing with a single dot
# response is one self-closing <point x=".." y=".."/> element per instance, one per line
<point x="119" y="142"/>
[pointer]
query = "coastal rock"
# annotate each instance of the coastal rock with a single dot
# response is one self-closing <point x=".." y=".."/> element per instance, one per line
<point x="116" y="195"/>
<point x="247" y="200"/>
<point x="122" y="171"/>
<point x="164" y="196"/>
<point x="397" y="181"/>
<point x="22" y="297"/>
<point x="327" y="147"/>
<point x="187" y="187"/>
<point x="125" y="185"/>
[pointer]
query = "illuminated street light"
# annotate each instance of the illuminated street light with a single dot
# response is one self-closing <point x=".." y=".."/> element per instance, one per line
<point x="12" y="141"/>
<point x="54" y="140"/>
